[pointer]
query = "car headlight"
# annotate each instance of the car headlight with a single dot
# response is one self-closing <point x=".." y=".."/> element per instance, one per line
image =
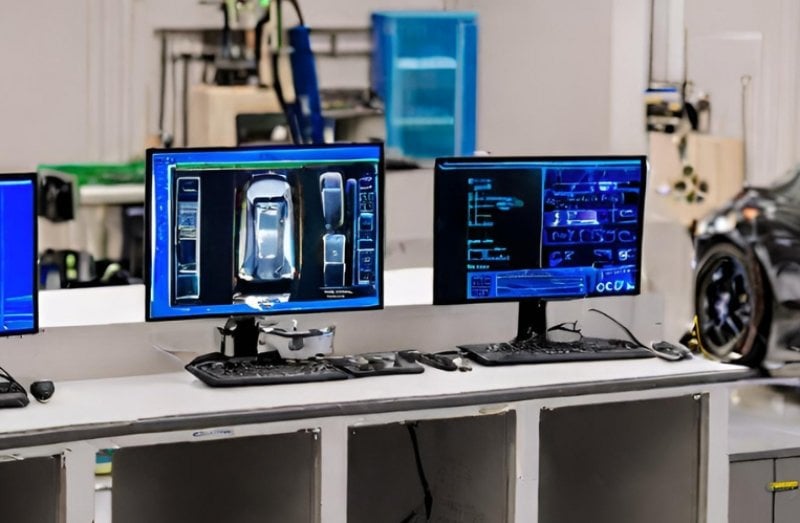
<point x="701" y="228"/>
<point x="717" y="225"/>
<point x="723" y="224"/>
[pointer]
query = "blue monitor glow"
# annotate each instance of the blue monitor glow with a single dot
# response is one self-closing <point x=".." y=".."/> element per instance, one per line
<point x="537" y="229"/>
<point x="18" y="254"/>
<point x="254" y="231"/>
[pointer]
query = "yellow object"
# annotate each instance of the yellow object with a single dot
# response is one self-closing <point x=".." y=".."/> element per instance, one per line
<point x="780" y="486"/>
<point x="102" y="469"/>
<point x="695" y="343"/>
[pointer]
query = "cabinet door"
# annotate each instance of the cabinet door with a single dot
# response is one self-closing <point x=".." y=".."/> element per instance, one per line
<point x="750" y="500"/>
<point x="626" y="462"/>
<point x="30" y="490"/>
<point x="787" y="502"/>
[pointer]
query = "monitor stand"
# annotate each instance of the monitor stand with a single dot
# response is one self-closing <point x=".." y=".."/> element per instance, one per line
<point x="244" y="333"/>
<point x="532" y="320"/>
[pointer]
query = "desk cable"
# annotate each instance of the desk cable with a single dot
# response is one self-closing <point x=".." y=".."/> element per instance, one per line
<point x="412" y="431"/>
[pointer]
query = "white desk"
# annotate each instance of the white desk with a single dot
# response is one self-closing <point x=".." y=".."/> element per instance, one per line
<point x="461" y="409"/>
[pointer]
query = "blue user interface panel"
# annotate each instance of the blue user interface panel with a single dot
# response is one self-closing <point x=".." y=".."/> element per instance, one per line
<point x="269" y="230"/>
<point x="510" y="229"/>
<point x="18" y="314"/>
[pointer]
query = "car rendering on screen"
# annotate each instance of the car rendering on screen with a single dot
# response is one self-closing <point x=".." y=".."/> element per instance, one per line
<point x="267" y="226"/>
<point x="747" y="275"/>
<point x="331" y="190"/>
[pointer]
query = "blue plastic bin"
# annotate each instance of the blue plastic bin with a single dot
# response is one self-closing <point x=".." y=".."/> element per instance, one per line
<point x="425" y="71"/>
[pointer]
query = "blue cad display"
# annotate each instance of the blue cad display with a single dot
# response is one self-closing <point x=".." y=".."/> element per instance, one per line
<point x="266" y="230"/>
<point x="17" y="254"/>
<point x="517" y="228"/>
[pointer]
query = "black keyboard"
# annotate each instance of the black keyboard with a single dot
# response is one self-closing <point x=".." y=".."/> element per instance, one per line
<point x="538" y="350"/>
<point x="217" y="370"/>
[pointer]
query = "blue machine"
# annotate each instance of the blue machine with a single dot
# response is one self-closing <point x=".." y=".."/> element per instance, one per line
<point x="307" y="108"/>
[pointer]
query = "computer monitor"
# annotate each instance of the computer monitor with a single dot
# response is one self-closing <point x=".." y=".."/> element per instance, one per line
<point x="267" y="230"/>
<point x="18" y="254"/>
<point x="536" y="229"/>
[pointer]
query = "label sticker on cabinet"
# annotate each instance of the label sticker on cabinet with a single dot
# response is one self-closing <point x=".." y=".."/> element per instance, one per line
<point x="217" y="433"/>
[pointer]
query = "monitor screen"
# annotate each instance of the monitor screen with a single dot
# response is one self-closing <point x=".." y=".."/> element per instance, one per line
<point x="264" y="230"/>
<point x="18" y="254"/>
<point x="511" y="229"/>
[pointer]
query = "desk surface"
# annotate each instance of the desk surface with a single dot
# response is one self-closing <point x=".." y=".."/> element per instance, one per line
<point x="89" y="409"/>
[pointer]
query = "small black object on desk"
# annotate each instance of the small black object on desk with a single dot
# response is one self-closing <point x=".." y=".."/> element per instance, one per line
<point x="42" y="390"/>
<point x="670" y="351"/>
<point x="377" y="364"/>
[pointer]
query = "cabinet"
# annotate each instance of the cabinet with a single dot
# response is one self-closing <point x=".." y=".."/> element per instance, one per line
<point x="242" y="480"/>
<point x="31" y="490"/>
<point x="764" y="450"/>
<point x="751" y="499"/>
<point x="460" y="469"/>
<point x="506" y="444"/>
<point x="424" y="68"/>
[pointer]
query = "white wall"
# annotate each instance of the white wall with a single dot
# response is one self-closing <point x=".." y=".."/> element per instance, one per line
<point x="729" y="38"/>
<point x="543" y="83"/>
<point x="44" y="99"/>
<point x="628" y="76"/>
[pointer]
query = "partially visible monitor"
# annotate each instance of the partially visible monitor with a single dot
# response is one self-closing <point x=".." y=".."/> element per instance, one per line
<point x="536" y="229"/>
<point x="18" y="254"/>
<point x="264" y="230"/>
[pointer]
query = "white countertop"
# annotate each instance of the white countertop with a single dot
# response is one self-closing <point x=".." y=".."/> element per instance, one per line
<point x="139" y="399"/>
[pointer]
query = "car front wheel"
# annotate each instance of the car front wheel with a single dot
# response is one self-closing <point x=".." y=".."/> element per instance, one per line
<point x="731" y="305"/>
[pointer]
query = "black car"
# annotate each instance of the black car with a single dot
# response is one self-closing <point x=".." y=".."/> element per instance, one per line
<point x="747" y="277"/>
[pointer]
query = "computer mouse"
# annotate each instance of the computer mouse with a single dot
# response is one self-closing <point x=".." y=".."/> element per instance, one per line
<point x="42" y="390"/>
<point x="670" y="351"/>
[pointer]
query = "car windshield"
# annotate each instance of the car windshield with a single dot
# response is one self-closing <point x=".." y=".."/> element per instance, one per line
<point x="269" y="229"/>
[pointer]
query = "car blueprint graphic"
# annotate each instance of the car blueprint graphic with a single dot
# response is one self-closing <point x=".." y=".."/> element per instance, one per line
<point x="747" y="275"/>
<point x="267" y="230"/>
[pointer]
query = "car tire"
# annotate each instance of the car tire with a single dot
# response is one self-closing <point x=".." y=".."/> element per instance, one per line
<point x="733" y="304"/>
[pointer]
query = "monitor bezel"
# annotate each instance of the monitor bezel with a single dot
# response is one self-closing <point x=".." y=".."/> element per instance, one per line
<point x="437" y="173"/>
<point x="34" y="179"/>
<point x="148" y="250"/>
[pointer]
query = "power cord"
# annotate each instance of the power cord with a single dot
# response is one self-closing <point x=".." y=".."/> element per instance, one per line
<point x="662" y="349"/>
<point x="16" y="396"/>
<point x="6" y="375"/>
<point x="412" y="431"/>
<point x="619" y="324"/>
<point x="297" y="10"/>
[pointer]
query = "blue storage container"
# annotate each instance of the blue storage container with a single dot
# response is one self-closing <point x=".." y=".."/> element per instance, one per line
<point x="424" y="68"/>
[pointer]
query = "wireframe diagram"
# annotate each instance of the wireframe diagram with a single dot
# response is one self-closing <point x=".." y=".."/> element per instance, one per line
<point x="553" y="230"/>
<point x="483" y="204"/>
